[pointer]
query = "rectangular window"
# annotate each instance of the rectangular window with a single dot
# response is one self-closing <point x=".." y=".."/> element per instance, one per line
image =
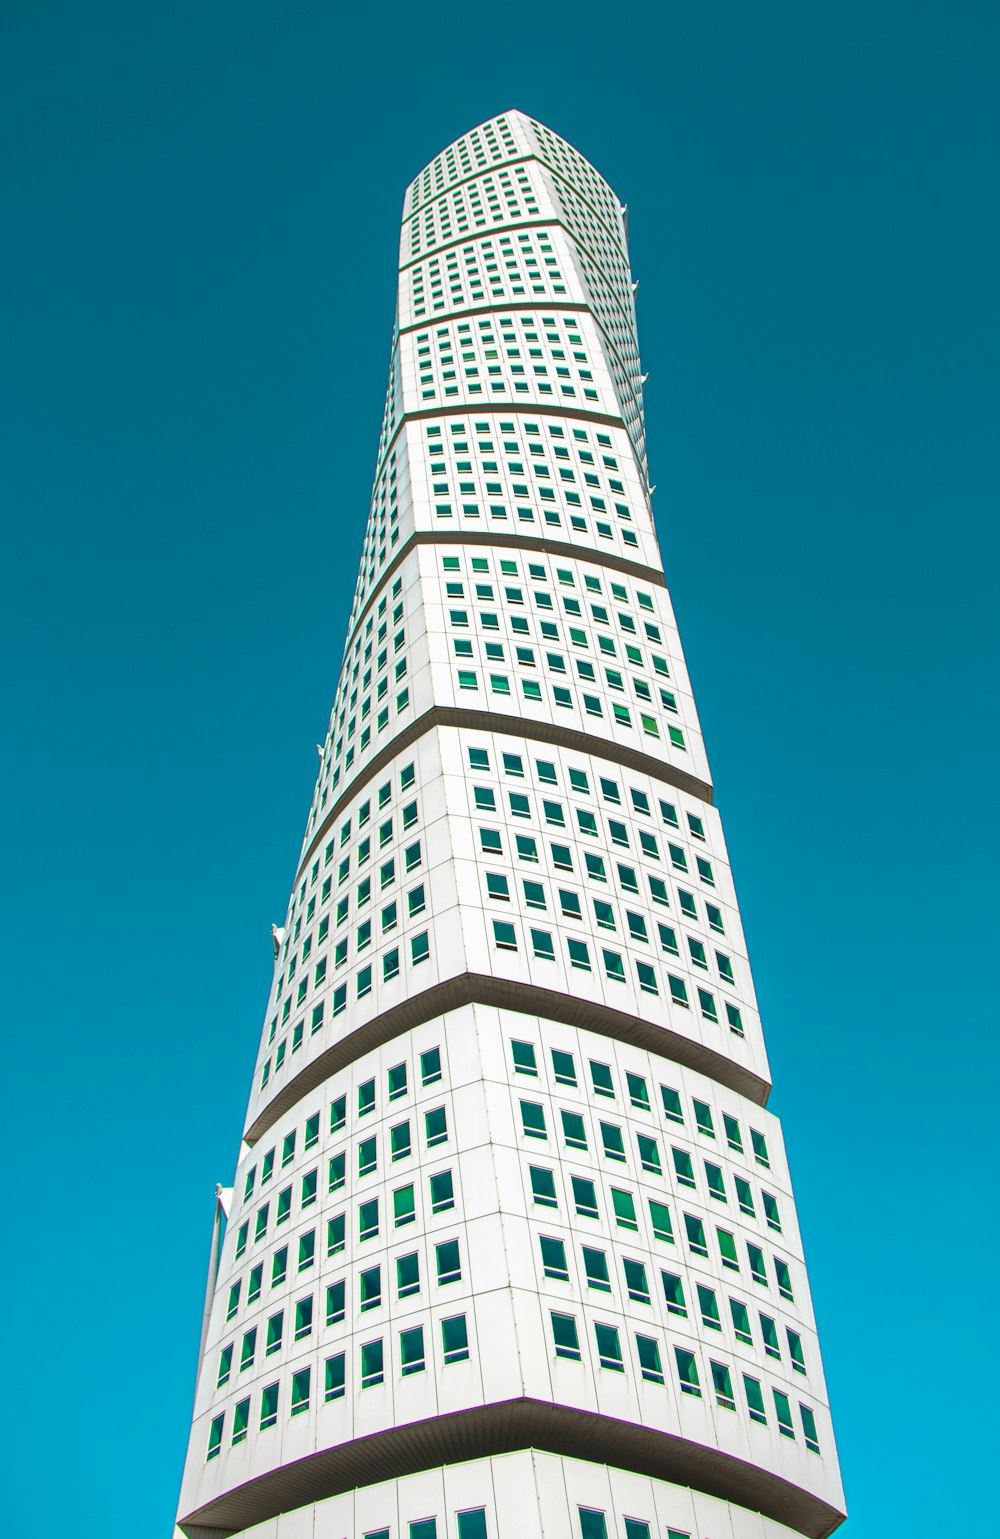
<point x="687" y="1372"/>
<point x="638" y="1094"/>
<point x="708" y="1307"/>
<point x="716" y="1185"/>
<point x="574" y="1130"/>
<point x="595" y="1264"/>
<point x="407" y="1275"/>
<point x="215" y="1436"/>
<point x="523" y="1055"/>
<point x="303" y="1318"/>
<point x="741" y="1321"/>
<point x="783" y="1413"/>
<point x="436" y="1126"/>
<point x="442" y="1190"/>
<point x="695" y="1234"/>
<point x="769" y="1332"/>
<point x="612" y="1141"/>
<point x="673" y="1294"/>
<point x="771" y="1210"/>
<point x="372" y="1364"/>
<point x="659" y="1217"/>
<point x="533" y="1119"/>
<point x="755" y="1399"/>
<point x="448" y="1260"/>
<point x="543" y="1187"/>
<point x="635" y="1280"/>
<point x="795" y="1350"/>
<point x="624" y="1209"/>
<point x="553" y="1257"/>
<point x="336" y="1303"/>
<point x="241" y="1420"/>
<point x="454" y="1339"/>
<point x="563" y="1068"/>
<point x="542" y="945"/>
<point x="727" y="1249"/>
<point x="370" y="1288"/>
<point x="703" y="1119"/>
<point x="600" y="1077"/>
<point x="649" y="1359"/>
<point x="337" y="1172"/>
<point x="671" y="1104"/>
<point x="270" y="1405"/>
<point x="472" y="1523"/>
<point x="585" y="1197"/>
<point x="411" y="1351"/>
<point x="565" y="1337"/>
<point x="504" y="935"/>
<point x="809" y="1429"/>
<point x="723" y="1386"/>
<point x="609" y="1349"/>
<point x="335" y="1377"/>
<point x="744" y="1196"/>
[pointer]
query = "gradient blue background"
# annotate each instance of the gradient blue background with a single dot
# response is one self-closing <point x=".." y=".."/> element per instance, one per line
<point x="198" y="272"/>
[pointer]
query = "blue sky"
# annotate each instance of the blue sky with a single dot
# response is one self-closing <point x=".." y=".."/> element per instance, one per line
<point x="200" y="215"/>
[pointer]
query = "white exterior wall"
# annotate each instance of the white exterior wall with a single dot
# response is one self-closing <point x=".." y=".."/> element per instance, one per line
<point x="532" y="1495"/>
<point x="512" y="840"/>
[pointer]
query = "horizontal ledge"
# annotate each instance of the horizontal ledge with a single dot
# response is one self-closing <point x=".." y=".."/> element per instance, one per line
<point x="543" y="222"/>
<point x="525" y="999"/>
<point x="442" y="193"/>
<point x="488" y="537"/>
<point x="536" y="408"/>
<point x="589" y="553"/>
<point x="491" y="407"/>
<point x="494" y="166"/>
<point x="512" y="726"/>
<point x="507" y="1427"/>
<point x="576" y="306"/>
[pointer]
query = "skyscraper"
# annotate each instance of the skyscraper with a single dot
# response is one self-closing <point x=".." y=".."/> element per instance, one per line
<point x="511" y="1248"/>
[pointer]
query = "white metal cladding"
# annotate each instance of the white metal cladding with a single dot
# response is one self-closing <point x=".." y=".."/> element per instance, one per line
<point x="507" y="1180"/>
<point x="531" y="1495"/>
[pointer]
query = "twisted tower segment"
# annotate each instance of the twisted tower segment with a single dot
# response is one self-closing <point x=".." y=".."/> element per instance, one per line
<point x="511" y="1247"/>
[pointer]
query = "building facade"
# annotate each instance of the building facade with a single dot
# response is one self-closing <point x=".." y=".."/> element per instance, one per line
<point x="511" y="1248"/>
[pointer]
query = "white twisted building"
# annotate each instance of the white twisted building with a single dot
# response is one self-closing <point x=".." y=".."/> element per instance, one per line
<point x="511" y="1248"/>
